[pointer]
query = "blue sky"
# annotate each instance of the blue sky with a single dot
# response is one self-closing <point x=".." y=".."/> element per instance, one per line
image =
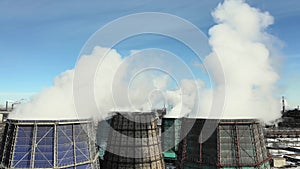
<point x="41" y="39"/>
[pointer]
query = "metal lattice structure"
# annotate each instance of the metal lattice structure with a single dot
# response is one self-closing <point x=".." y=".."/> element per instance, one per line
<point x="170" y="137"/>
<point x="49" y="144"/>
<point x="233" y="144"/>
<point x="2" y="126"/>
<point x="133" y="142"/>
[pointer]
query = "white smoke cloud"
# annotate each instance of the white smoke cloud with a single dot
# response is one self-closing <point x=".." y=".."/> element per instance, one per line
<point x="115" y="75"/>
<point x="52" y="103"/>
<point x="184" y="100"/>
<point x="57" y="102"/>
<point x="239" y="40"/>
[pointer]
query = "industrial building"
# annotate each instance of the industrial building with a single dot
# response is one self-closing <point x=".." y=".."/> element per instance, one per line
<point x="4" y="112"/>
<point x="283" y="138"/>
<point x="49" y="144"/>
<point x="233" y="144"/>
<point x="290" y="119"/>
<point x="134" y="142"/>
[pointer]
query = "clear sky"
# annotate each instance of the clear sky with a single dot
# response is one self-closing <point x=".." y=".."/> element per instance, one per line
<point x="41" y="39"/>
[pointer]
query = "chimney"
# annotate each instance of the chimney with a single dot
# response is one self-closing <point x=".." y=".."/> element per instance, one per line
<point x="6" y="106"/>
<point x="283" y="104"/>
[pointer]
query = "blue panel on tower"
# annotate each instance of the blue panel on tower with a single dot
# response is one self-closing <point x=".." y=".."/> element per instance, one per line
<point x="85" y="166"/>
<point x="82" y="150"/>
<point x="44" y="147"/>
<point x="65" y="145"/>
<point x="22" y="154"/>
<point x="48" y="144"/>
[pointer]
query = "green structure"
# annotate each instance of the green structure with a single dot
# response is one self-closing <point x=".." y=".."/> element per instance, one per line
<point x="234" y="144"/>
<point x="170" y="137"/>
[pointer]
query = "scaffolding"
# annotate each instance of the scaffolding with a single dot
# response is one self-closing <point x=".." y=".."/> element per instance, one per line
<point x="49" y="144"/>
<point x="233" y="144"/>
<point x="133" y="142"/>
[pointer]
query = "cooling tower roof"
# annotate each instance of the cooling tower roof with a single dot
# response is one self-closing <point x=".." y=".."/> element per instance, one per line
<point x="44" y="122"/>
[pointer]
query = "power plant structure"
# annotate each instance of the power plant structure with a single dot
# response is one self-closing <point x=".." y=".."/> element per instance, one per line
<point x="170" y="139"/>
<point x="237" y="143"/>
<point x="49" y="144"/>
<point x="147" y="140"/>
<point x="134" y="142"/>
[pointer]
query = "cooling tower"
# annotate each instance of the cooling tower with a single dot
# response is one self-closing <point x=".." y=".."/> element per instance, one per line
<point x="49" y="144"/>
<point x="233" y="144"/>
<point x="133" y="142"/>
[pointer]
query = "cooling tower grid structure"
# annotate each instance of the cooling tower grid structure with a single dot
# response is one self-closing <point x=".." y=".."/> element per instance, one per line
<point x="133" y="142"/>
<point x="233" y="144"/>
<point x="170" y="137"/>
<point x="49" y="144"/>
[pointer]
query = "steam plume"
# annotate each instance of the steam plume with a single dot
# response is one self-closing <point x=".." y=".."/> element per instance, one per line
<point x="239" y="40"/>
